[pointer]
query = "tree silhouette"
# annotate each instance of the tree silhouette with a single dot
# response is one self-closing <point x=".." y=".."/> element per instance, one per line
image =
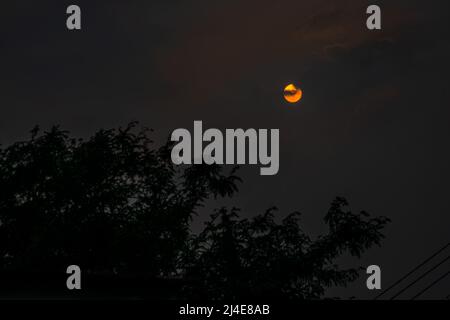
<point x="116" y="205"/>
<point x="242" y="258"/>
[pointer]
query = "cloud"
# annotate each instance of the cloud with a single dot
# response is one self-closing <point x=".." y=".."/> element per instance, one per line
<point x="236" y="40"/>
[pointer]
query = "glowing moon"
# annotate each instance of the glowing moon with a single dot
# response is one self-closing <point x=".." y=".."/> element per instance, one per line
<point x="292" y="94"/>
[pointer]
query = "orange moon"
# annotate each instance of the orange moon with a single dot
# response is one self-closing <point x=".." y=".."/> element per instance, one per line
<point x="292" y="94"/>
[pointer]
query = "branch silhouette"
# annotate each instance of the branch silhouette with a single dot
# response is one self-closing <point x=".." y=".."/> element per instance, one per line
<point x="116" y="205"/>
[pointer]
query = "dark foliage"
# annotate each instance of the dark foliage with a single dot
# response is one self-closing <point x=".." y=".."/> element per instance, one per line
<point x="242" y="258"/>
<point x="116" y="205"/>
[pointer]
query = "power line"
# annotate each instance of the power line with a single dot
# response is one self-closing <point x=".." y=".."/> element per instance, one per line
<point x="419" y="278"/>
<point x="413" y="270"/>
<point x="431" y="285"/>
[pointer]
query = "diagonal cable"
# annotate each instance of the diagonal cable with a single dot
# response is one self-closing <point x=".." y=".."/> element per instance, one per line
<point x="413" y="270"/>
<point x="420" y="278"/>
<point x="431" y="285"/>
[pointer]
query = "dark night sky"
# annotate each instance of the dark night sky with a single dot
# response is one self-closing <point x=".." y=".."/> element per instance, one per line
<point x="373" y="125"/>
